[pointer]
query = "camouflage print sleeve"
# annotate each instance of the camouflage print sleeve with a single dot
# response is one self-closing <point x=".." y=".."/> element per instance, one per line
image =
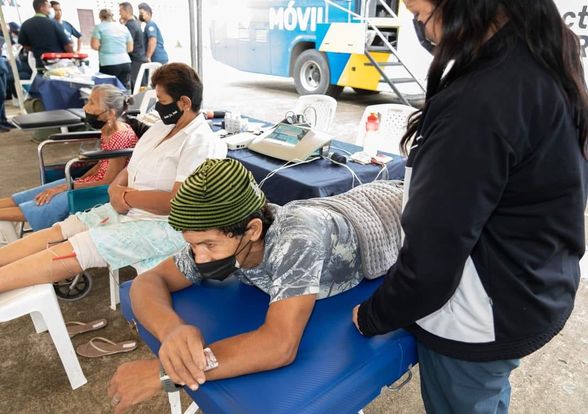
<point x="184" y="260"/>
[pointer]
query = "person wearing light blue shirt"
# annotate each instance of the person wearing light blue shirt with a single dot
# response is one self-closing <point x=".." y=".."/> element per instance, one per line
<point x="114" y="43"/>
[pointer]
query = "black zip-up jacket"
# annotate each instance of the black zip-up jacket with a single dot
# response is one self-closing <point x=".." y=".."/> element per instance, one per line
<point x="494" y="223"/>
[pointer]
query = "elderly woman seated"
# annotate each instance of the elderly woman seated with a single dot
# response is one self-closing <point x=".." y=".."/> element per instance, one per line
<point x="46" y="205"/>
<point x="133" y="227"/>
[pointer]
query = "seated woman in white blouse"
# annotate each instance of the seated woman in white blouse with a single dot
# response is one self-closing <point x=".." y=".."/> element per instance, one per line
<point x="132" y="228"/>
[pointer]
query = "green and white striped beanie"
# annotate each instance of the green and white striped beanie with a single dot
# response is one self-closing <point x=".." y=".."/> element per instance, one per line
<point x="219" y="193"/>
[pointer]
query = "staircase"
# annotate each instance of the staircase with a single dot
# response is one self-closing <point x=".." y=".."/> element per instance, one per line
<point x="384" y="23"/>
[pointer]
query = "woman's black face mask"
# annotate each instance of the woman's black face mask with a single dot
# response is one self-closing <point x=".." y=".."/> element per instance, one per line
<point x="419" y="27"/>
<point x="169" y="113"/>
<point x="93" y="121"/>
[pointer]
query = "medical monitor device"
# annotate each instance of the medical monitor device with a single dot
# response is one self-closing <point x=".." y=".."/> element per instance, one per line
<point x="291" y="142"/>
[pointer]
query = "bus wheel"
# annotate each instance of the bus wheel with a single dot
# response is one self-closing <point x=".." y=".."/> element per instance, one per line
<point x="364" y="92"/>
<point x="312" y="75"/>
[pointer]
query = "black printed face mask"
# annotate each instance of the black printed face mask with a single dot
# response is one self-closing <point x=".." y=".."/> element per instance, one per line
<point x="169" y="113"/>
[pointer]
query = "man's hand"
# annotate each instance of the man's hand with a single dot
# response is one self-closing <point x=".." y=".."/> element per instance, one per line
<point x="132" y="383"/>
<point x="116" y="194"/>
<point x="354" y="318"/>
<point x="182" y="356"/>
<point x="43" y="198"/>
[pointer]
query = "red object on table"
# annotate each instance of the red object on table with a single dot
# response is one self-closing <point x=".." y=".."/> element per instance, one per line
<point x="56" y="56"/>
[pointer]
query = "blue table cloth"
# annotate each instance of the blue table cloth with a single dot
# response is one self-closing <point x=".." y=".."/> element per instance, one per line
<point x="60" y="94"/>
<point x="318" y="178"/>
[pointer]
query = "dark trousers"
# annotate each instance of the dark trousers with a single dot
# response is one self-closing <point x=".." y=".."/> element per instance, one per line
<point x="122" y="72"/>
<point x="450" y="385"/>
<point x="135" y="66"/>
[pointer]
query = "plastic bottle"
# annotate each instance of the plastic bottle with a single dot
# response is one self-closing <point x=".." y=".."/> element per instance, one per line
<point x="371" y="137"/>
<point x="228" y="116"/>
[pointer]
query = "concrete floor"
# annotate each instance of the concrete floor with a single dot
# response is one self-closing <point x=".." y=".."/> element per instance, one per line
<point x="553" y="380"/>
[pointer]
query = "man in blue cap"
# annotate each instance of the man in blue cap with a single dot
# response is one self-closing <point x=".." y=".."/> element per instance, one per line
<point x="154" y="49"/>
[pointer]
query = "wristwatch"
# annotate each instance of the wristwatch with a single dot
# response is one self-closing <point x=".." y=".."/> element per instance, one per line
<point x="166" y="382"/>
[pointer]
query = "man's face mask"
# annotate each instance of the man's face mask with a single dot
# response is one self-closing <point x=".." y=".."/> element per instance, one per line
<point x="169" y="113"/>
<point x="419" y="27"/>
<point x="223" y="268"/>
<point x="93" y="121"/>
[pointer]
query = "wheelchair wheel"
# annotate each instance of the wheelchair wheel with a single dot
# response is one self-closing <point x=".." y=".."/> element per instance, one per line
<point x="75" y="288"/>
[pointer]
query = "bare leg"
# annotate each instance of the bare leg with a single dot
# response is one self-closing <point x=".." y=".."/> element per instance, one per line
<point x="7" y="202"/>
<point x="29" y="245"/>
<point x="42" y="267"/>
<point x="11" y="214"/>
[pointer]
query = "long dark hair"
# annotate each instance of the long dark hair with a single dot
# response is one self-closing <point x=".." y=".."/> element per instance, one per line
<point x="466" y="24"/>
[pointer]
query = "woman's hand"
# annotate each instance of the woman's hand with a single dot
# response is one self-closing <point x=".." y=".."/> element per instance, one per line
<point x="117" y="201"/>
<point x="43" y="198"/>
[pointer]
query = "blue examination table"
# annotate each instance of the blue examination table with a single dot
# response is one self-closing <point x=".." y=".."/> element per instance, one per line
<point x="336" y="369"/>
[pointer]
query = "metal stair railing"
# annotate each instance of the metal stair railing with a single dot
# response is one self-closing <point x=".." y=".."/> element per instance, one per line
<point x="388" y="48"/>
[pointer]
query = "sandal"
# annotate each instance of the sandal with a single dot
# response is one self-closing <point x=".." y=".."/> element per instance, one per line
<point x="75" y="328"/>
<point x="99" y="346"/>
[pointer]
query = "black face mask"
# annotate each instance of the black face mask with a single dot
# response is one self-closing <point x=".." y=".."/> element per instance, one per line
<point x="141" y="18"/>
<point x="93" y="121"/>
<point x="419" y="27"/>
<point x="220" y="269"/>
<point x="169" y="113"/>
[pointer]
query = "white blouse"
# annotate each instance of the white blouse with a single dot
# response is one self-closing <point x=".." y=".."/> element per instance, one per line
<point x="157" y="165"/>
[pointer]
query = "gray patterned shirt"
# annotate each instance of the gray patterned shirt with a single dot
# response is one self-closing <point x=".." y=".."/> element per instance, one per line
<point x="307" y="250"/>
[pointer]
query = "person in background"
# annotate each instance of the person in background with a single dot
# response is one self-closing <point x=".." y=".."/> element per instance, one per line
<point x="154" y="49"/>
<point x="137" y="56"/>
<point x="5" y="72"/>
<point x="495" y="193"/>
<point x="42" y="34"/>
<point x="70" y="31"/>
<point x="46" y="205"/>
<point x="113" y="41"/>
<point x="22" y="63"/>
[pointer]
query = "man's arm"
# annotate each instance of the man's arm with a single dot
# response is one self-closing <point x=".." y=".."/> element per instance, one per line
<point x="138" y="381"/>
<point x="151" y="298"/>
<point x="151" y="44"/>
<point x="273" y="345"/>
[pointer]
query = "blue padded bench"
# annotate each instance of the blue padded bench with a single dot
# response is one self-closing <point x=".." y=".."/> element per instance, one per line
<point x="336" y="369"/>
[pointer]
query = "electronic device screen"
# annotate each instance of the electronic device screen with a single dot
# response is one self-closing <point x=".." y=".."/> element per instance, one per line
<point x="289" y="134"/>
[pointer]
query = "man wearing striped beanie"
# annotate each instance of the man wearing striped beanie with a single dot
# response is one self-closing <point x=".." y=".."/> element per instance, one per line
<point x="297" y="253"/>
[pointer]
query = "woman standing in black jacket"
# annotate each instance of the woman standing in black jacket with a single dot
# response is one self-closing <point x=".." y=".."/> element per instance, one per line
<point x="495" y="189"/>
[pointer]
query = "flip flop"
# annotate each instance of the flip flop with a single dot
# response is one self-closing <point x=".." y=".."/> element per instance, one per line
<point x="75" y="328"/>
<point x="99" y="346"/>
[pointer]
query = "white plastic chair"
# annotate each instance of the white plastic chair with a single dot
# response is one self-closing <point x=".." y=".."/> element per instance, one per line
<point x="319" y="110"/>
<point x="149" y="66"/>
<point x="8" y="232"/>
<point x="41" y="303"/>
<point x="26" y="83"/>
<point x="393" y="123"/>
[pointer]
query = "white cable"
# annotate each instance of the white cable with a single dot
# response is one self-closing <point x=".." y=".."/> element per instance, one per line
<point x="341" y="149"/>
<point x="284" y="167"/>
<point x="353" y="175"/>
<point x="315" y="115"/>
<point x="385" y="176"/>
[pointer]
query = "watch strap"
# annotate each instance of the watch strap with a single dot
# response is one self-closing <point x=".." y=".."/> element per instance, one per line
<point x="166" y="382"/>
